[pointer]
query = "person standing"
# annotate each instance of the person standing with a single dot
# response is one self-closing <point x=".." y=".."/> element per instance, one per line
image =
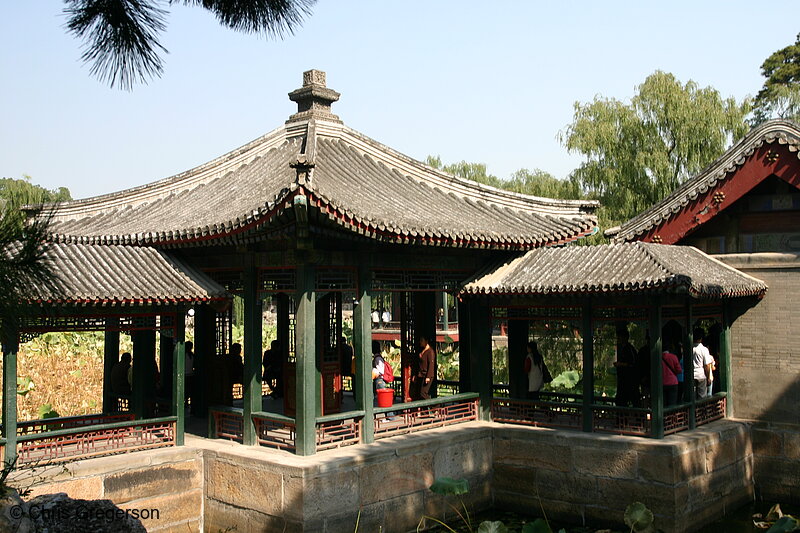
<point x="120" y="380"/>
<point x="427" y="368"/>
<point x="670" y="368"/>
<point x="627" y="374"/>
<point x="702" y="361"/>
<point x="379" y="372"/>
<point x="536" y="370"/>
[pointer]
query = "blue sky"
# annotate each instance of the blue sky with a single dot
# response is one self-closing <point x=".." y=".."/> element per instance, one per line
<point x="489" y="82"/>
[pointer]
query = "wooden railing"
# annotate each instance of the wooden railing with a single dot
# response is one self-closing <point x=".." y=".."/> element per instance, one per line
<point x="225" y="423"/>
<point x="28" y="427"/>
<point x="621" y="420"/>
<point x="538" y="413"/>
<point x="344" y="429"/>
<point x="710" y="409"/>
<point x="97" y="440"/>
<point x="275" y="431"/>
<point x="425" y="414"/>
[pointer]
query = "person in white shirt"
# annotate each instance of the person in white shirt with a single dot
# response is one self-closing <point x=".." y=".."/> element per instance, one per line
<point x="702" y="363"/>
<point x="386" y="317"/>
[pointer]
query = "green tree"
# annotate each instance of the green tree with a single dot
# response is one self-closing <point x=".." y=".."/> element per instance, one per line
<point x="18" y="193"/>
<point x="780" y="95"/>
<point x="540" y="183"/>
<point x="22" y="246"/>
<point x="636" y="153"/>
<point x="121" y="37"/>
<point x="462" y="169"/>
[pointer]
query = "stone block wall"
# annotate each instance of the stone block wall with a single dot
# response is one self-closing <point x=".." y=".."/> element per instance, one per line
<point x="385" y="487"/>
<point x="765" y="341"/>
<point x="687" y="480"/>
<point x="777" y="463"/>
<point x="165" y="486"/>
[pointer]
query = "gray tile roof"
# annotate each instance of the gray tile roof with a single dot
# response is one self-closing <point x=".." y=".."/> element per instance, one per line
<point x="774" y="131"/>
<point x="355" y="181"/>
<point x="617" y="268"/>
<point x="113" y="275"/>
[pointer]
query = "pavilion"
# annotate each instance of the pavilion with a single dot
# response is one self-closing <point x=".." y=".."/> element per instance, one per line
<point x="314" y="215"/>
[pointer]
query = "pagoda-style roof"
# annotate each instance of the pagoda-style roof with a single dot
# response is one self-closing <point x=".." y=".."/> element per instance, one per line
<point x="780" y="132"/>
<point x="86" y="274"/>
<point x="341" y="177"/>
<point x="634" y="268"/>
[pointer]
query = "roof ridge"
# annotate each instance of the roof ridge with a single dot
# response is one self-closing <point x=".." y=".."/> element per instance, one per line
<point x="194" y="177"/>
<point x="734" y="157"/>
<point x="467" y="188"/>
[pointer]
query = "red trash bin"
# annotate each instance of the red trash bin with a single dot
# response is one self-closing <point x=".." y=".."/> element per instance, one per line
<point x="385" y="397"/>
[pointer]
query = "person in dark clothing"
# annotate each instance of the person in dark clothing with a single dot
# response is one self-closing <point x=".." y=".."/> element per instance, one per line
<point x="347" y="363"/>
<point x="427" y="368"/>
<point x="643" y="371"/>
<point x="536" y="371"/>
<point x="235" y="364"/>
<point x="119" y="376"/>
<point x="627" y="374"/>
<point x="273" y="369"/>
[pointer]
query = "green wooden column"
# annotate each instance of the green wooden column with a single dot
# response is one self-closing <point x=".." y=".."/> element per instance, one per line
<point x="251" y="389"/>
<point x="725" y="374"/>
<point x="10" y="349"/>
<point x="587" y="332"/>
<point x="179" y="377"/>
<point x="144" y="360"/>
<point x="464" y="370"/>
<point x="480" y="354"/>
<point x="307" y="377"/>
<point x="517" y="352"/>
<point x="110" y="358"/>
<point x="656" y="376"/>
<point x="362" y="340"/>
<point x="205" y="347"/>
<point x="688" y="365"/>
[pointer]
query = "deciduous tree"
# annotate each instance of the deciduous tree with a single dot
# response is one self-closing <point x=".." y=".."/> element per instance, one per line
<point x="780" y="95"/>
<point x="638" y="152"/>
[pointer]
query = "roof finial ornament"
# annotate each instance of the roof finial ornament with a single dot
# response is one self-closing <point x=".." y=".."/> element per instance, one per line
<point x="314" y="98"/>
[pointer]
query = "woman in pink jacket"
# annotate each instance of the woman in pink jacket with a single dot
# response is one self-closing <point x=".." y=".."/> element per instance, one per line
<point x="670" y="368"/>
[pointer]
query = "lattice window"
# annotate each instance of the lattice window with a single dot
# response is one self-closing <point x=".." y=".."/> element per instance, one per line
<point x="547" y="313"/>
<point x="334" y="279"/>
<point x="277" y="280"/>
<point x="32" y="326"/>
<point x="224" y="330"/>
<point x="630" y="314"/>
<point x="292" y="356"/>
<point x="231" y="279"/>
<point x="417" y="280"/>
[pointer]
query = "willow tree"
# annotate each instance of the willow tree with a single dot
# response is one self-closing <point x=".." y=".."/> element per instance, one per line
<point x="780" y="95"/>
<point x="121" y="37"/>
<point x="23" y="236"/>
<point x="636" y="153"/>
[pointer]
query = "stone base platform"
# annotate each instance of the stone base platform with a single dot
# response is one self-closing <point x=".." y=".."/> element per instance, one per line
<point x="688" y="479"/>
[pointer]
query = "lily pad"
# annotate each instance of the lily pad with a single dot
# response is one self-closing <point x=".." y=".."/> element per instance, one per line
<point x="446" y="485"/>
<point x="639" y="518"/>
<point x="492" y="527"/>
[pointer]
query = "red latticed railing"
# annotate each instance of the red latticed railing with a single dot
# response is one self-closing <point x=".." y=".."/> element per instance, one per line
<point x="339" y="430"/>
<point x="621" y="420"/>
<point x="676" y="419"/>
<point x="537" y="413"/>
<point x="70" y="422"/>
<point x="94" y="441"/>
<point x="275" y="431"/>
<point x="710" y="409"/>
<point x="226" y="423"/>
<point x="426" y="414"/>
